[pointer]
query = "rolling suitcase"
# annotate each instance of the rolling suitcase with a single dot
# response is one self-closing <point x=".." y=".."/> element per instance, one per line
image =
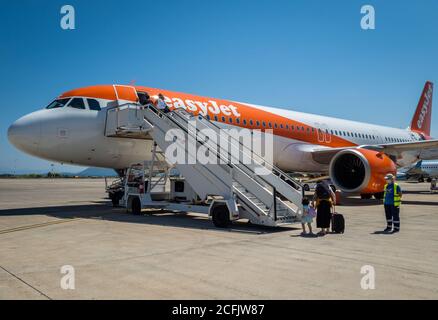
<point x="338" y="223"/>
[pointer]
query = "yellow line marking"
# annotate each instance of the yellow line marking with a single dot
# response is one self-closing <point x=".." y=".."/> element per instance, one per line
<point x="38" y="225"/>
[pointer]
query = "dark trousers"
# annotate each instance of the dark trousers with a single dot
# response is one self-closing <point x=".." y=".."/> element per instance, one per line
<point x="392" y="214"/>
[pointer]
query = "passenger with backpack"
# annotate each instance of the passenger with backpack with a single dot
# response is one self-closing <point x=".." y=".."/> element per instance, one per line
<point x="308" y="214"/>
<point x="323" y="200"/>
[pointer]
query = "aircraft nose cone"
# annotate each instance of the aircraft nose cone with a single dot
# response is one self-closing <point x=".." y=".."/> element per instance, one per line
<point x="25" y="134"/>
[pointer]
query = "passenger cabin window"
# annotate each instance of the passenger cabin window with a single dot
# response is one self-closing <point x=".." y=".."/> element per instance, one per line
<point x="77" y="103"/>
<point x="93" y="104"/>
<point x="58" y="103"/>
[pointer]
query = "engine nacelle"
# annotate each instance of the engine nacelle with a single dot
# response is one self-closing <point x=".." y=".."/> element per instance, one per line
<point x="360" y="170"/>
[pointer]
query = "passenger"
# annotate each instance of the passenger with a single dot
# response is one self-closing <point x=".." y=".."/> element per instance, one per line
<point x="161" y="104"/>
<point x="392" y="200"/>
<point x="307" y="217"/>
<point x="144" y="98"/>
<point x="433" y="187"/>
<point x="324" y="198"/>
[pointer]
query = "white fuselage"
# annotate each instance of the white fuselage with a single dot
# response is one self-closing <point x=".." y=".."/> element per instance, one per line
<point x="430" y="168"/>
<point x="73" y="136"/>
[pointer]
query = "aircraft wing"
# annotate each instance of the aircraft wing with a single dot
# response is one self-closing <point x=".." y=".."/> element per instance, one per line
<point x="405" y="146"/>
<point x="424" y="150"/>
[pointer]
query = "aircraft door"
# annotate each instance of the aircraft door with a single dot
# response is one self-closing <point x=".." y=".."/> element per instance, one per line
<point x="125" y="93"/>
<point x="324" y="135"/>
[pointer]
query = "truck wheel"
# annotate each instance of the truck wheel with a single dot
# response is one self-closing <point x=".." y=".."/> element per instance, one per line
<point x="366" y="196"/>
<point x="136" y="206"/>
<point x="221" y="217"/>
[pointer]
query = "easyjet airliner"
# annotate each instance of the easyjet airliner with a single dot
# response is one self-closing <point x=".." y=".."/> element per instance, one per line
<point x="356" y="155"/>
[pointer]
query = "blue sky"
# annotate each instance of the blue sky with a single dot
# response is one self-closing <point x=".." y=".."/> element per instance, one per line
<point x="309" y="56"/>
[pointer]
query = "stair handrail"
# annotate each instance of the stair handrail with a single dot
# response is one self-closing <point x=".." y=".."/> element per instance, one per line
<point x="277" y="171"/>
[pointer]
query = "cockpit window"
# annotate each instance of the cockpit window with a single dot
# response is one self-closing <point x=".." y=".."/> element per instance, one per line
<point x="77" y="103"/>
<point x="93" y="104"/>
<point x="58" y="103"/>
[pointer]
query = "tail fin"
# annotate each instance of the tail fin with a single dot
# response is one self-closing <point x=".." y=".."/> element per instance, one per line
<point x="423" y="115"/>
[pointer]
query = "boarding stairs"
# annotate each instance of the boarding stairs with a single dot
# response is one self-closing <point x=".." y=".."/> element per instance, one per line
<point x="259" y="191"/>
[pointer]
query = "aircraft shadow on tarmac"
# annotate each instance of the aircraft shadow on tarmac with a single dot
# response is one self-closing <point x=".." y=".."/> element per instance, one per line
<point x="104" y="211"/>
<point x="357" y="202"/>
<point x="420" y="203"/>
<point x="418" y="192"/>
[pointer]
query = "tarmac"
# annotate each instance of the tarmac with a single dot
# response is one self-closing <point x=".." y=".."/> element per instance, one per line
<point x="47" y="224"/>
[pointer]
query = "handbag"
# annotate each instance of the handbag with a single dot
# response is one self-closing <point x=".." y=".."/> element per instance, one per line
<point x="311" y="212"/>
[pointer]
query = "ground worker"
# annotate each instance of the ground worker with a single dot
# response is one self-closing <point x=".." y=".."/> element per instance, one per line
<point x="392" y="200"/>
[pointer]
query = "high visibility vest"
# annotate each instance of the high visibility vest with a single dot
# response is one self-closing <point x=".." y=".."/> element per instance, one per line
<point x="397" y="197"/>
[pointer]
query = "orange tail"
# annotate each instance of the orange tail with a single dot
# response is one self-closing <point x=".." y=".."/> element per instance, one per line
<point x="423" y="115"/>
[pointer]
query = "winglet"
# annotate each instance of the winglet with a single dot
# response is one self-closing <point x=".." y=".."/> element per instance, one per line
<point x="423" y="114"/>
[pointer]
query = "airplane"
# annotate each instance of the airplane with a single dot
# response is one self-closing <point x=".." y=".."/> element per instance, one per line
<point x="422" y="171"/>
<point x="355" y="155"/>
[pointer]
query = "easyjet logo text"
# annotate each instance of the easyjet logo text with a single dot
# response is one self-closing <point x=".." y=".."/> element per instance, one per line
<point x="425" y="107"/>
<point x="202" y="107"/>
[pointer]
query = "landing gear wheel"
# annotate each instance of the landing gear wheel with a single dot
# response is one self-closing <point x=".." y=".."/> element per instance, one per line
<point x="221" y="217"/>
<point x="115" y="200"/>
<point x="378" y="196"/>
<point x="136" y="207"/>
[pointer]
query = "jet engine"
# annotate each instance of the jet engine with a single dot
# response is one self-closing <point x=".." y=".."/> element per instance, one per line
<point x="361" y="171"/>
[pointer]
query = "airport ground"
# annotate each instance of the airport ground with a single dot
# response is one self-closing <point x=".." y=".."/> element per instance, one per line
<point x="46" y="224"/>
